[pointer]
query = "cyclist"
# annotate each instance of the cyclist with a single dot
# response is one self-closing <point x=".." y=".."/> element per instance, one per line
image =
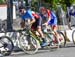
<point x="35" y="24"/>
<point x="26" y="14"/>
<point x="49" y="18"/>
<point x="72" y="11"/>
<point x="37" y="27"/>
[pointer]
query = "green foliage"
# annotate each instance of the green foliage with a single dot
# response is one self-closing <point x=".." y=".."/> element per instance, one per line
<point x="1" y="1"/>
<point x="53" y="3"/>
<point x="63" y="3"/>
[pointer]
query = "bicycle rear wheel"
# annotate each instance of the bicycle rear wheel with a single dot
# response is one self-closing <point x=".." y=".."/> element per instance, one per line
<point x="63" y="41"/>
<point x="73" y="36"/>
<point x="6" y="45"/>
<point x="54" y="44"/>
<point x="29" y="44"/>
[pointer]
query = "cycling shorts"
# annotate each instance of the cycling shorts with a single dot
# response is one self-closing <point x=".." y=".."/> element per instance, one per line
<point x="53" y="21"/>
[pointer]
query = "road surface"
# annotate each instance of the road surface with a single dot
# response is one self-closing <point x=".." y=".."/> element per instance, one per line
<point x="68" y="51"/>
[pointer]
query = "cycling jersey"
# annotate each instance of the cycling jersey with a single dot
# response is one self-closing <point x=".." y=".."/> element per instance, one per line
<point x="37" y="22"/>
<point x="32" y="15"/>
<point x="28" y="15"/>
<point x="51" y="14"/>
<point x="36" y="16"/>
<point x="53" y="20"/>
<point x="72" y="10"/>
<point x="72" y="13"/>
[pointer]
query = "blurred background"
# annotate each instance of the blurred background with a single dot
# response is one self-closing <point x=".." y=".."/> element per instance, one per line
<point x="60" y="7"/>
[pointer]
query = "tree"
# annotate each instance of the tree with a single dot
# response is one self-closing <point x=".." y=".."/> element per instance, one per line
<point x="3" y="1"/>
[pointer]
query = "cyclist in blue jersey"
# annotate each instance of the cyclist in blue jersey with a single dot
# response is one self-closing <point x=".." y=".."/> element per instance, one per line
<point x="36" y="20"/>
<point x="72" y="11"/>
<point x="26" y="14"/>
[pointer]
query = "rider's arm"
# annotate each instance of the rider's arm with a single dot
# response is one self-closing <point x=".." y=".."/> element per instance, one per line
<point x="32" y="21"/>
<point x="49" y="16"/>
<point x="32" y="17"/>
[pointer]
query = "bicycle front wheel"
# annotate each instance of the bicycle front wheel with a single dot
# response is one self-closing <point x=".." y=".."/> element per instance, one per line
<point x="29" y="44"/>
<point x="6" y="45"/>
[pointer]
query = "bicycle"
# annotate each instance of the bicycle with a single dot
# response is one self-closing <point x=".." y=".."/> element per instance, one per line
<point x="61" y="38"/>
<point x="16" y="38"/>
<point x="6" y="44"/>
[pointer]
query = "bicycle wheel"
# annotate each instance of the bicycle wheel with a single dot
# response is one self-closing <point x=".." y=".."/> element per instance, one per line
<point x="54" y="44"/>
<point x="29" y="44"/>
<point x="73" y="36"/>
<point x="6" y="45"/>
<point x="63" y="41"/>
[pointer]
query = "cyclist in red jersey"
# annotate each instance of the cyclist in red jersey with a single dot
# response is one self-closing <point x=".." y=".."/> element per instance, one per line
<point x="49" y="18"/>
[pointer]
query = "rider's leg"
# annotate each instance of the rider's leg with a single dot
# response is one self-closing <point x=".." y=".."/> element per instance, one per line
<point x="37" y="27"/>
<point x="41" y="33"/>
<point x="44" y="43"/>
<point x="55" y="28"/>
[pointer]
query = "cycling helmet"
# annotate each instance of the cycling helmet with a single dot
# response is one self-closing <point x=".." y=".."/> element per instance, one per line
<point x="42" y="9"/>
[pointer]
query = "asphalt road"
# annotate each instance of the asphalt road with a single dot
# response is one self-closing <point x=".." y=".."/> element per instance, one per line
<point x="68" y="51"/>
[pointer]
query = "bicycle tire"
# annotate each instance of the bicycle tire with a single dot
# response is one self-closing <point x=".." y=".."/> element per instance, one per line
<point x="8" y="45"/>
<point x="73" y="39"/>
<point x="63" y="37"/>
<point x="23" y="46"/>
<point x="54" y="45"/>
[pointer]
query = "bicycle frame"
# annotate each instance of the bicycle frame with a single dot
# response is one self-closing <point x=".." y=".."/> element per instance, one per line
<point x="35" y="36"/>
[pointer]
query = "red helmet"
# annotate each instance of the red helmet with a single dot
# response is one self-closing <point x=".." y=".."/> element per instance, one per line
<point x="42" y="9"/>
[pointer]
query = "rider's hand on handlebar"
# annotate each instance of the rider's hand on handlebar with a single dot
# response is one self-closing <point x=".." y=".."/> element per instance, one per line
<point x="45" y="24"/>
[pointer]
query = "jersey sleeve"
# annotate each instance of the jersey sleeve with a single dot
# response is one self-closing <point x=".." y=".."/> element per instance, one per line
<point x="49" y="13"/>
<point x="30" y="14"/>
<point x="36" y="15"/>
